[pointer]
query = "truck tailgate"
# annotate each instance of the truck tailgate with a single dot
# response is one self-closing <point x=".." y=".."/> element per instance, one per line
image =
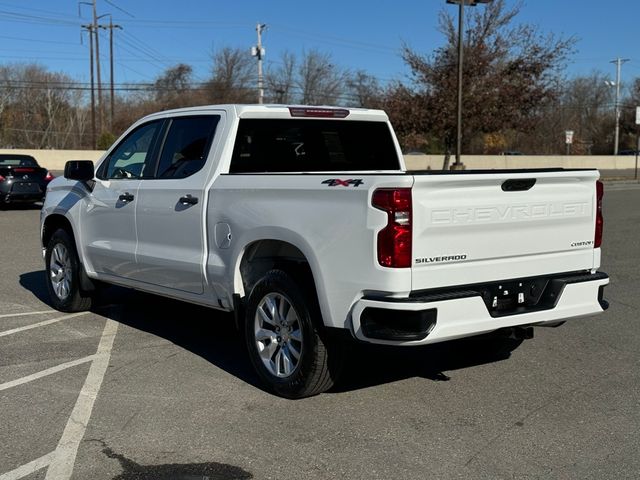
<point x="480" y="227"/>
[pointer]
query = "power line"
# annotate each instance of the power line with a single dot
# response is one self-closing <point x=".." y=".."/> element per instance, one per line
<point x="119" y="8"/>
<point x="145" y="49"/>
<point x="37" y="20"/>
<point x="28" y="130"/>
<point x="342" y="42"/>
<point x="32" y="9"/>
<point x="22" y="39"/>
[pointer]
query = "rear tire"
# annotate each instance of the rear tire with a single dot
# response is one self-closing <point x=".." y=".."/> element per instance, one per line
<point x="63" y="270"/>
<point x="291" y="352"/>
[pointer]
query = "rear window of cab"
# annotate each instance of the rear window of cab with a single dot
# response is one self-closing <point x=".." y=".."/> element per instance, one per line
<point x="312" y="145"/>
<point x="18" y="162"/>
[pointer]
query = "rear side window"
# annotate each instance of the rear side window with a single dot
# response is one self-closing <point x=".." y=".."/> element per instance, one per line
<point x="186" y="146"/>
<point x="264" y="145"/>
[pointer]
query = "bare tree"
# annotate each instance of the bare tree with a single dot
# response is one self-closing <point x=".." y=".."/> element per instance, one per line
<point x="35" y="107"/>
<point x="173" y="88"/>
<point x="363" y="90"/>
<point x="319" y="81"/>
<point x="281" y="80"/>
<point x="234" y="77"/>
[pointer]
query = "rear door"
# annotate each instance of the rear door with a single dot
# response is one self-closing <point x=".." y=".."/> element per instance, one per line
<point x="472" y="228"/>
<point x="170" y="209"/>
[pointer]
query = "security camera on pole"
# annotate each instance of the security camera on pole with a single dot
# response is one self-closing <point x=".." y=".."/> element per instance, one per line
<point x="259" y="52"/>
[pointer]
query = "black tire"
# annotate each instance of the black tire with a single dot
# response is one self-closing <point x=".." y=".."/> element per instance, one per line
<point x="320" y="357"/>
<point x="75" y="300"/>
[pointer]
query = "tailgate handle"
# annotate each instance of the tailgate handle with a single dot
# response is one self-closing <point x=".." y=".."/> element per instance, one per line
<point x="518" y="184"/>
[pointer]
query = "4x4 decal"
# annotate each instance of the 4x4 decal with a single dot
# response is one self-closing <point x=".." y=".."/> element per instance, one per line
<point x="336" y="182"/>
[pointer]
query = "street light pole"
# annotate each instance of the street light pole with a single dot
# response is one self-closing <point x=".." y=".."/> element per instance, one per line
<point x="457" y="165"/>
<point x="618" y="61"/>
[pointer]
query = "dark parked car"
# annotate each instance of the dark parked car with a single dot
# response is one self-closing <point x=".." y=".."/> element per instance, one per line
<point x="22" y="179"/>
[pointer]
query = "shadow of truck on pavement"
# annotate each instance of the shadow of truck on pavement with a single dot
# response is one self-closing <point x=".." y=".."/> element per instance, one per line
<point x="212" y="335"/>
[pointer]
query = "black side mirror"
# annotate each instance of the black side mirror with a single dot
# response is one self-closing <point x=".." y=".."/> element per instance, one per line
<point x="81" y="170"/>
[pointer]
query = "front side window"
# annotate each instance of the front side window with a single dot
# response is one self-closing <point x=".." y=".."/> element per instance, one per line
<point x="131" y="158"/>
<point x="269" y="145"/>
<point x="186" y="146"/>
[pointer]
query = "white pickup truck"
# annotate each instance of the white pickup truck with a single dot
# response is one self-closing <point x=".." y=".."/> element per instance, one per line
<point x="303" y="221"/>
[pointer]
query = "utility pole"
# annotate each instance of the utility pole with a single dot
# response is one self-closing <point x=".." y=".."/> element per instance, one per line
<point x="110" y="27"/>
<point x="618" y="61"/>
<point x="89" y="28"/>
<point x="258" y="52"/>
<point x="95" y="31"/>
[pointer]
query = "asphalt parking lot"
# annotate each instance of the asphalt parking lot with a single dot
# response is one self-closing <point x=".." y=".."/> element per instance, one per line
<point x="147" y="388"/>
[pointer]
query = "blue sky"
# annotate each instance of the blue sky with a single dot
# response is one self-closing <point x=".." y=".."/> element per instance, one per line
<point x="358" y="35"/>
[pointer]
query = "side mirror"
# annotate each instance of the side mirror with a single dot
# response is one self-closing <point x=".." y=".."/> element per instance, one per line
<point x="81" y="170"/>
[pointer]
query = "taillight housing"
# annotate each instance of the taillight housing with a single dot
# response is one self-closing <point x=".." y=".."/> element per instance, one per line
<point x="597" y="241"/>
<point x="2" y="179"/>
<point x="394" y="240"/>
<point x="49" y="177"/>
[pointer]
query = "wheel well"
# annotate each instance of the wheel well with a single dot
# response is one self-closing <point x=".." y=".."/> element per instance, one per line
<point x="265" y="255"/>
<point x="53" y="223"/>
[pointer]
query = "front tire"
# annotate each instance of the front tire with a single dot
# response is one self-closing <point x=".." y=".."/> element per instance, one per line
<point x="63" y="271"/>
<point x="290" y="351"/>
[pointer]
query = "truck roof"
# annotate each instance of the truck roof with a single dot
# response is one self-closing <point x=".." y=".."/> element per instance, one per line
<point x="281" y="111"/>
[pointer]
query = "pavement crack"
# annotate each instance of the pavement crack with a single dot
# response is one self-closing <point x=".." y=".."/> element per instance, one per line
<point x="521" y="421"/>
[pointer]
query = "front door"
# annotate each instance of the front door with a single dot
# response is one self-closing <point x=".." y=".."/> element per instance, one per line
<point x="108" y="222"/>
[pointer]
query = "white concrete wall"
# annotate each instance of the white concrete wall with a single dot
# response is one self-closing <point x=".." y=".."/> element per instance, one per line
<point x="55" y="160"/>
<point x="475" y="162"/>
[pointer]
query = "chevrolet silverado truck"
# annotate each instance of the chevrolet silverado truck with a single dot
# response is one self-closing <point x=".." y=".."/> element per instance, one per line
<point x="305" y="223"/>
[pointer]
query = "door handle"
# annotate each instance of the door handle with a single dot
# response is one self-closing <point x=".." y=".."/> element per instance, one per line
<point x="126" y="197"/>
<point x="188" y="200"/>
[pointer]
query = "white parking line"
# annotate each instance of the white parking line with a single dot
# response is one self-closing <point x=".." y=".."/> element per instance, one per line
<point x="29" y="468"/>
<point x="61" y="467"/>
<point x="42" y="312"/>
<point x="40" y="324"/>
<point x="45" y="373"/>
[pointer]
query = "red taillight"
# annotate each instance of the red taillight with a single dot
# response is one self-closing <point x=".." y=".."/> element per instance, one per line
<point x="597" y="241"/>
<point x="394" y="240"/>
<point x="49" y="177"/>
<point x="2" y="178"/>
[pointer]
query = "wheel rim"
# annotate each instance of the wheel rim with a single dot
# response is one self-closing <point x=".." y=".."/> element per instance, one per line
<point x="278" y="335"/>
<point x="60" y="271"/>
